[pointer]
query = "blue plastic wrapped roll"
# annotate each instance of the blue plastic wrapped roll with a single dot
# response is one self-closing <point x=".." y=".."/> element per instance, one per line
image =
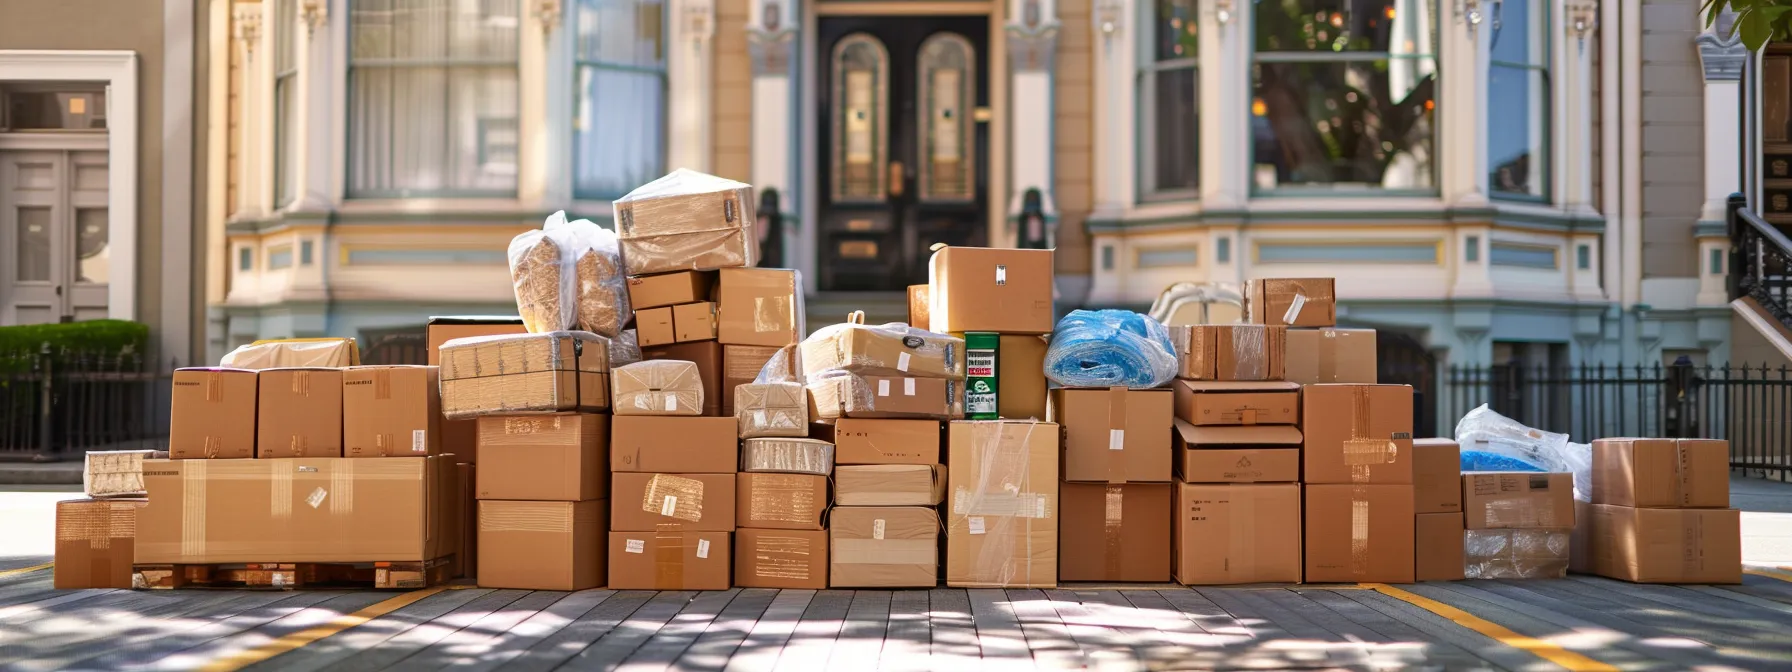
<point x="1481" y="460"/>
<point x="1107" y="348"/>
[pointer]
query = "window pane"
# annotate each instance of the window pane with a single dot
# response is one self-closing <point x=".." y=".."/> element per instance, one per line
<point x="92" y="233"/>
<point x="1386" y="26"/>
<point x="1354" y="123"/>
<point x="433" y="129"/>
<point x="34" y="244"/>
<point x="1175" y="150"/>
<point x="1175" y="30"/>
<point x="1513" y="40"/>
<point x="285" y="141"/>
<point x="620" y="135"/>
<point x="622" y="32"/>
<point x="434" y="30"/>
<point x="1517" y="125"/>
<point x="285" y="45"/>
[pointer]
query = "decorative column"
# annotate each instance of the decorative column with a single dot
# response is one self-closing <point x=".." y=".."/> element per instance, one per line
<point x="1225" y="78"/>
<point x="1579" y="20"/>
<point x="1114" y="75"/>
<point x="312" y="126"/>
<point x="689" y="72"/>
<point x="534" y="168"/>
<point x="771" y="44"/>
<point x="1032" y="49"/>
<point x="1722" y="59"/>
<point x="254" y="191"/>
<point x="1462" y="138"/>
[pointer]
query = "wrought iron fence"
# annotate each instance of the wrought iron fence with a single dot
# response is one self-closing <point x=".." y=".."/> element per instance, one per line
<point x="59" y="404"/>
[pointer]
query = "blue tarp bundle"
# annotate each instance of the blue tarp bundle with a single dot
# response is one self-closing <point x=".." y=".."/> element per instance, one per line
<point x="1105" y="348"/>
<point x="1481" y="460"/>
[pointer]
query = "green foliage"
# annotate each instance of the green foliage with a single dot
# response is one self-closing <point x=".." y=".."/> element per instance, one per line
<point x="94" y="337"/>
<point x="1759" y="21"/>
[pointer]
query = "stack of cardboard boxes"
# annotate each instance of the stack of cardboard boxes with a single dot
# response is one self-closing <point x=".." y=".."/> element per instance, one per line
<point x="1660" y="513"/>
<point x="1437" y="508"/>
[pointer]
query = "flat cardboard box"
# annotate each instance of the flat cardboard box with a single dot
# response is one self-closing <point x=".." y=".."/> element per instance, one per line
<point x="1114" y="435"/>
<point x="1437" y="545"/>
<point x="1230" y="534"/>
<point x="116" y="473"/>
<point x="657" y="387"/>
<point x="874" y="441"/>
<point x="298" y="413"/>
<point x="1237" y="403"/>
<point x="1002" y="531"/>
<point x="1260" y="454"/>
<point x="882" y="351"/>
<point x="95" y="543"/>
<point x="564" y="457"/>
<point x="1357" y="434"/>
<point x="889" y="485"/>
<point x="1235" y="352"/>
<point x="458" y="437"/>
<point x="1020" y="383"/>
<point x="741" y="365"/>
<point x="1292" y="302"/>
<point x="761" y="306"/>
<point x="852" y="396"/>
<point x="707" y="355"/>
<point x="1497" y="500"/>
<point x="771" y="409"/>
<point x="213" y="414"/>
<point x="781" y="559"/>
<point x="1667" y="545"/>
<point x="884" y="547"/>
<point x="392" y="411"/>
<point x="918" y="298"/>
<point x="1331" y="355"/>
<point x="694" y="502"/>
<point x="670" y="560"/>
<point x="1359" y="533"/>
<point x="989" y="289"/>
<point x="1436" y="476"/>
<point x="653" y="326"/>
<point x="1661" y="473"/>
<point x="771" y="501"/>
<point x="670" y="289"/>
<point x="497" y="375"/>
<point x="785" y="455"/>
<point x="671" y="444"/>
<point x="542" y="545"/>
<point x="687" y="220"/>
<point x="1115" y="532"/>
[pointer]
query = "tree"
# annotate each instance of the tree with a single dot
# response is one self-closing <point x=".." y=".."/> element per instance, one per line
<point x="1759" y="21"/>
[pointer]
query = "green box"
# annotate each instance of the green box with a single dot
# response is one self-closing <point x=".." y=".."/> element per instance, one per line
<point x="981" y="377"/>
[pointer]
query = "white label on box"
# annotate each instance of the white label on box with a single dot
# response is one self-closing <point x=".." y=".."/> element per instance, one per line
<point x="419" y="440"/>
<point x="902" y="362"/>
<point x="702" y="549"/>
<point x="1116" y="439"/>
<point x="908" y="387"/>
<point x="975" y="523"/>
<point x="669" y="505"/>
<point x="671" y="403"/>
<point x="1001" y="274"/>
<point x="316" y="498"/>
<point x="883" y="388"/>
<point x="636" y="546"/>
<point x="1039" y="510"/>
<point x="877" y="529"/>
<point x="278" y="579"/>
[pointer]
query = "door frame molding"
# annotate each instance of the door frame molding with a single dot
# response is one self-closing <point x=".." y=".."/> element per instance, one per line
<point x="118" y="70"/>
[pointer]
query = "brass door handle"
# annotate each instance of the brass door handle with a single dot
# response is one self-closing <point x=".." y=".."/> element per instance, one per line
<point x="895" y="179"/>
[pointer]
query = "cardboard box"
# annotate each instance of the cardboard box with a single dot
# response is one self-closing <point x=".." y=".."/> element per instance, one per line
<point x="96" y="542"/>
<point x="563" y="457"/>
<point x="294" y="353"/>
<point x="740" y="366"/>
<point x="1331" y="356"/>
<point x="693" y="502"/>
<point x="670" y="289"/>
<point x="1437" y="542"/>
<point x="873" y="441"/>
<point x="1517" y="500"/>
<point x="653" y="326"/>
<point x="847" y="395"/>
<point x="1114" y="435"/>
<point x="658" y="387"/>
<point x="1534" y="553"/>
<point x="687" y="221"/>
<point x="1003" y="526"/>
<point x="771" y="409"/>
<point x="116" y="473"/>
<point x="1580" y="556"/>
<point x="391" y="411"/>
<point x="881" y="351"/>
<point x="500" y="375"/>
<point x="458" y="437"/>
<point x="298" y="413"/>
<point x="1661" y="473"/>
<point x="1234" y="352"/>
<point x="889" y="485"/>
<point x="1359" y="533"/>
<point x="213" y="414"/>
<point x="1021" y="387"/>
<point x="643" y="443"/>
<point x="1229" y="534"/>
<point x="884" y="547"/>
<point x="1357" y="434"/>
<point x="780" y="501"/>
<point x="326" y="509"/>
<point x="782" y="455"/>
<point x="694" y="322"/>
<point x="1115" y="532"/>
<point x="1436" y="476"/>
<point x="468" y="553"/>
<point x="1261" y="454"/>
<point x="707" y="355"/>
<point x="1237" y="403"/>
<point x="781" y="559"/>
<point x="670" y="560"/>
<point x="761" y="306"/>
<point x="918" y="298"/>
<point x="990" y="289"/>
<point x="542" y="545"/>
<point x="1292" y="302"/>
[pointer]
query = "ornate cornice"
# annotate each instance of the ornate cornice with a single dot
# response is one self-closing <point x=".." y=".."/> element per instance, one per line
<point x="247" y="18"/>
<point x="1722" y="57"/>
<point x="770" y="49"/>
<point x="1032" y="48"/>
<point x="315" y="14"/>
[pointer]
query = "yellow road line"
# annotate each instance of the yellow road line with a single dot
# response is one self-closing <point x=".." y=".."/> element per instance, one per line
<point x="301" y="638"/>
<point x="1549" y="651"/>
<point x="1769" y="573"/>
<point x="26" y="570"/>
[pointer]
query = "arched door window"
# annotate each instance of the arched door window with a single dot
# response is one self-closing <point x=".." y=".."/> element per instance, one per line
<point x="860" y="126"/>
<point x="947" y="90"/>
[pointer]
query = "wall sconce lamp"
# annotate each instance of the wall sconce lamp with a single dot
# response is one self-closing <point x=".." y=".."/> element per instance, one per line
<point x="1222" y="11"/>
<point x="548" y="13"/>
<point x="1108" y="16"/>
<point x="1583" y="17"/>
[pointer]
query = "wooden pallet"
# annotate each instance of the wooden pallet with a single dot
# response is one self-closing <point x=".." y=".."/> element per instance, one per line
<point x="295" y="575"/>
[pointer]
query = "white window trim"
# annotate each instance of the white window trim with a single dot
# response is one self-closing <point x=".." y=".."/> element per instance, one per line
<point x="118" y="69"/>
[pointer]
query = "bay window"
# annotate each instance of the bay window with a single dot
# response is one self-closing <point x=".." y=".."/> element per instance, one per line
<point x="286" y="65"/>
<point x="1170" y="156"/>
<point x="619" y="126"/>
<point x="1518" y="100"/>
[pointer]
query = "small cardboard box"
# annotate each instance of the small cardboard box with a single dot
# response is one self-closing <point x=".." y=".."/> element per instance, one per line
<point x="670" y="289"/>
<point x="1667" y="545"/>
<point x="687" y="220"/>
<point x="1114" y="435"/>
<point x="1497" y="500"/>
<point x="1436" y="476"/>
<point x="851" y="396"/>
<point x="695" y="502"/>
<point x="298" y="413"/>
<point x="1237" y="403"/>
<point x="1357" y="434"/>
<point x="989" y="289"/>
<point x="498" y="375"/>
<point x="564" y="457"/>
<point x="740" y="366"/>
<point x="707" y="355"/>
<point x="542" y="545"/>
<point x="761" y="306"/>
<point x="1660" y="473"/>
<point x="874" y="441"/>
<point x="213" y="414"/>
<point x="1115" y="532"/>
<point x="1236" y="352"/>
<point x="786" y="455"/>
<point x="670" y="560"/>
<point x="392" y="411"/>
<point x="96" y="542"/>
<point x="1002" y="531"/>
<point x="884" y="547"/>
<point x="1331" y="356"/>
<point x="1292" y="302"/>
<point x="1021" y="387"/>
<point x="1261" y="454"/>
<point x="1229" y="534"/>
<point x="673" y="444"/>
<point x="1359" y="533"/>
<point x="1437" y="541"/>
<point x="693" y="322"/>
<point x="918" y="298"/>
<point x="653" y="326"/>
<point x="781" y="559"/>
<point x="889" y="485"/>
<point x="771" y="409"/>
<point x="657" y="387"/>
<point x="780" y="501"/>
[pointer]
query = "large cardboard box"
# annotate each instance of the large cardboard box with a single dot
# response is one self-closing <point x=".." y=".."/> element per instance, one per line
<point x="1020" y="380"/>
<point x="1357" y="434"/>
<point x="889" y="485"/>
<point x="1517" y="500"/>
<point x="882" y="351"/>
<point x="740" y="366"/>
<point x="781" y="558"/>
<point x="1359" y="533"/>
<point x="96" y="543"/>
<point x="874" y="441"/>
<point x="1331" y="356"/>
<point x="392" y="411"/>
<point x="780" y="501"/>
<point x="1002" y="531"/>
<point x="326" y="509"/>
<point x="687" y="220"/>
<point x="1114" y="435"/>
<point x="853" y="396"/>
<point x="693" y="502"/>
<point x="989" y="289"/>
<point x="707" y="355"/>
<point x="670" y="289"/>
<point x="458" y="436"/>
<point x="1238" y="403"/>
<point x="213" y="414"/>
<point x="1437" y="544"/>
<point x="1436" y="476"/>
<point x="298" y="413"/>
<point x="1237" y="352"/>
<point x="1115" y="532"/>
<point x="657" y="387"/>
<point x="542" y="545"/>
<point x="1260" y="454"/>
<point x="1228" y="534"/>
<point x="1292" y="302"/>
<point x="564" y="457"/>
<point x="884" y="547"/>
<point x="670" y="560"/>
<point x="761" y="306"/>
<point x="643" y="443"/>
<point x="1660" y="473"/>
<point x="497" y="375"/>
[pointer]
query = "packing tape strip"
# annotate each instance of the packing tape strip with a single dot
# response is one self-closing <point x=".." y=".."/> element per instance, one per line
<point x="1249" y="352"/>
<point x="668" y="558"/>
<point x="1359" y="531"/>
<point x="1328" y="356"/>
<point x="301" y="383"/>
<point x="1241" y="536"/>
<point x="342" y="488"/>
<point x="1113" y="513"/>
<point x="280" y="492"/>
<point x="1116" y="435"/>
<point x="1361" y="451"/>
<point x="1682" y="475"/>
<point x="214" y="386"/>
<point x="299" y="444"/>
<point x="550" y="517"/>
<point x="213" y="446"/>
<point x="382" y="384"/>
<point x="193" y="479"/>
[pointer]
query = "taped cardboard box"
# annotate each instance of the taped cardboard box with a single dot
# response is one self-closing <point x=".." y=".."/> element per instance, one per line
<point x="1002" y="531"/>
<point x="1536" y="553"/>
<point x="884" y="547"/>
<point x="771" y="409"/>
<point x="1020" y="380"/>
<point x="1331" y="356"/>
<point x="990" y="289"/>
<point x="670" y="559"/>
<point x="1114" y="435"/>
<point x="458" y="436"/>
<point x="707" y="355"/>
<point x="761" y="306"/>
<point x="918" y="298"/>
<point x="304" y="353"/>
<point x="1234" y="352"/>
<point x="212" y="414"/>
<point x="781" y="559"/>
<point x="670" y="289"/>
<point x="1359" y="533"/>
<point x="1292" y="302"/>
<point x="1261" y="454"/>
<point x="889" y="485"/>
<point x="502" y="375"/>
<point x="782" y="455"/>
<point x="393" y="411"/>
<point x="1436" y="476"/>
<point x="780" y="501"/>
<point x="694" y="502"/>
<point x="1115" y="532"/>
<point x="875" y="441"/>
<point x="1662" y="473"/>
<point x="1580" y="550"/>
<point x="741" y="365"/>
<point x="1437" y="544"/>
<point x="96" y="543"/>
<point x="673" y="444"/>
<point x="687" y="221"/>
<point x="1357" y="434"/>
<point x="886" y="350"/>
<point x="1237" y="403"/>
<point x="1667" y="545"/>
<point x="1517" y="500"/>
<point x="298" y="413"/>
<point x="1230" y="534"/>
<point x="683" y="323"/>
<point x="842" y="394"/>
<point x="564" y="457"/>
<point x="542" y="545"/>
<point x="658" y="387"/>
<point x="116" y="473"/>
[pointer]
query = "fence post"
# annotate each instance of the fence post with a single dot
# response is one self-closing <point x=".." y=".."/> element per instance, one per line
<point x="44" y="413"/>
<point x="1679" y="422"/>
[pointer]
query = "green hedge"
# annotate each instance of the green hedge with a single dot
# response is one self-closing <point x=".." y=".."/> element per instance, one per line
<point x="94" y="337"/>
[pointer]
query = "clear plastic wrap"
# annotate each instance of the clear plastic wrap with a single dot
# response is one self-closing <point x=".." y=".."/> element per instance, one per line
<point x="657" y="387"/>
<point x="1516" y="554"/>
<point x="117" y="473"/>
<point x="1242" y="352"/>
<point x="788" y="455"/>
<point x="1485" y="431"/>
<point x="840" y="394"/>
<point x="287" y="353"/>
<point x="1108" y="348"/>
<point x="512" y="373"/>
<point x="625" y="349"/>
<point x="774" y="404"/>
<point x="601" y="285"/>
<point x="541" y="269"/>
<point x="687" y="220"/>
<point x="1003" y="523"/>
<point x="893" y="349"/>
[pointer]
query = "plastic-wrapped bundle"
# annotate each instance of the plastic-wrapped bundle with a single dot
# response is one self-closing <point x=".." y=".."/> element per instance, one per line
<point x="774" y="403"/>
<point x="1486" y="431"/>
<point x="687" y="221"/>
<point x="600" y="286"/>
<point x="541" y="269"/>
<point x="800" y="456"/>
<point x="1516" y="554"/>
<point x="1481" y="460"/>
<point x="285" y="353"/>
<point x="893" y="349"/>
<point x="838" y="393"/>
<point x="1106" y="348"/>
<point x="657" y="387"/>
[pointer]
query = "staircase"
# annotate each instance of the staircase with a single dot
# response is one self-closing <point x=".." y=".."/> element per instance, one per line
<point x="1760" y="288"/>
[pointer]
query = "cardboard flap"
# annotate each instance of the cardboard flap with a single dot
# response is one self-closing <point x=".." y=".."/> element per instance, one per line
<point x="475" y="319"/>
<point x="1240" y="386"/>
<point x="1228" y="435"/>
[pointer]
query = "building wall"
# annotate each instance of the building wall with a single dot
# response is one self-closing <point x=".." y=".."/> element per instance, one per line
<point x="1073" y="143"/>
<point x="1672" y="137"/>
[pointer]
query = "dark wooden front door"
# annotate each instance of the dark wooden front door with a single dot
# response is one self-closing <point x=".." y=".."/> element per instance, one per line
<point x="904" y="153"/>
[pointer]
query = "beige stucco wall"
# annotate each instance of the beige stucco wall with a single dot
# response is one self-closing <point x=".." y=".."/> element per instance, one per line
<point x="1673" y="137"/>
<point x="1073" y="144"/>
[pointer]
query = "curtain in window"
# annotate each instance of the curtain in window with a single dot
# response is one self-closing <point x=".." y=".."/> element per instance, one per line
<point x="1518" y="103"/>
<point x="619" y="131"/>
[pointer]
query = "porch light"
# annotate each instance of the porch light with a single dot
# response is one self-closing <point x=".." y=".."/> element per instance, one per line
<point x="1108" y="14"/>
<point x="1583" y="17"/>
<point x="1222" y="10"/>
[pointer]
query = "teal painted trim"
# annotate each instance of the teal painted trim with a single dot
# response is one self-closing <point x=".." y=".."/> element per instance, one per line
<point x="1546" y="223"/>
<point x="425" y="257"/>
<point x="1705" y="229"/>
<point x="1307" y="253"/>
<point x="1522" y="256"/>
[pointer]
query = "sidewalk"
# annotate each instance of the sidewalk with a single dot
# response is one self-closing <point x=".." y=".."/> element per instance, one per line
<point x="1766" y="520"/>
<point x="67" y="472"/>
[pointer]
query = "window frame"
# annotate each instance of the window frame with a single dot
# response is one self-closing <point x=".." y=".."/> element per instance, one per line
<point x="1145" y="115"/>
<point x="1544" y="110"/>
<point x="579" y="66"/>
<point x="285" y="81"/>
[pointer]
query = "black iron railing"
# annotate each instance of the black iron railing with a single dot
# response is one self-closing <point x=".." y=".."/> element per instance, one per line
<point x="1760" y="261"/>
<point x="57" y="404"/>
